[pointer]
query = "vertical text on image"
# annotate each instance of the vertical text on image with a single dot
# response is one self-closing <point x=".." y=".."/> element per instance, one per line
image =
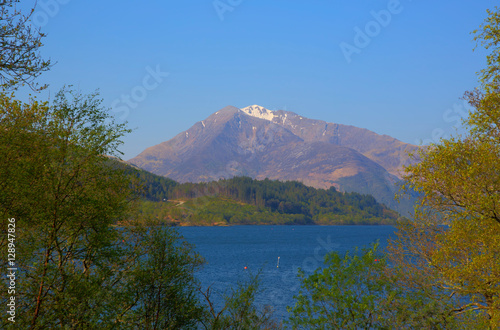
<point x="11" y="269"/>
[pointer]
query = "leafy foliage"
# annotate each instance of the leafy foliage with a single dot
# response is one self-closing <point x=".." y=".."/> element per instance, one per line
<point x="346" y="294"/>
<point x="160" y="291"/>
<point x="76" y="269"/>
<point x="20" y="60"/>
<point x="239" y="310"/>
<point x="418" y="271"/>
<point x="361" y="291"/>
<point x="460" y="185"/>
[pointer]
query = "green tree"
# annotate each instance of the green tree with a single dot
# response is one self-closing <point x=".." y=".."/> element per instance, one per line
<point x="239" y="311"/>
<point x="346" y="294"/>
<point x="77" y="269"/>
<point x="361" y="291"/>
<point x="427" y="297"/>
<point x="20" y="60"/>
<point x="459" y="183"/>
<point x="161" y="288"/>
<point x="58" y="187"/>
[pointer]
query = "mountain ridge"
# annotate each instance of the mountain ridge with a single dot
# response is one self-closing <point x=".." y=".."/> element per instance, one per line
<point x="260" y="143"/>
<point x="350" y="137"/>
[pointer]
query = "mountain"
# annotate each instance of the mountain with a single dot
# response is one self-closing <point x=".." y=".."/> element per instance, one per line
<point x="387" y="151"/>
<point x="282" y="145"/>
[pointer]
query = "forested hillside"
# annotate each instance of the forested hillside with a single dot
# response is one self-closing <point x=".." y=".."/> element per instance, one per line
<point x="242" y="200"/>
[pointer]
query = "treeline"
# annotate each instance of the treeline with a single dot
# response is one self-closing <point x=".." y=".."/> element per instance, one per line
<point x="243" y="200"/>
<point x="148" y="185"/>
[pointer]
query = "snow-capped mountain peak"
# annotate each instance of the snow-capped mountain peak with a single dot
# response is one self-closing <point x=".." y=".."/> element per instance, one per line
<point x="259" y="112"/>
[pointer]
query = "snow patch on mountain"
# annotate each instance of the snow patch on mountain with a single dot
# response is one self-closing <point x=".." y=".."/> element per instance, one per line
<point x="259" y="112"/>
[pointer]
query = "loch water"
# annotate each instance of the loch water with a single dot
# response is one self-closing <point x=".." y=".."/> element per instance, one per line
<point x="233" y="253"/>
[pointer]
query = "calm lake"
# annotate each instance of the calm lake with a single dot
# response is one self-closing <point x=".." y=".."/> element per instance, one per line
<point x="228" y="250"/>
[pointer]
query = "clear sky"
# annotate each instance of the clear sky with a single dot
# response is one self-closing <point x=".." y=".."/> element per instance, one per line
<point x="394" y="67"/>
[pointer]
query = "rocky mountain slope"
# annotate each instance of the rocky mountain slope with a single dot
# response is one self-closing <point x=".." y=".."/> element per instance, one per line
<point x="260" y="143"/>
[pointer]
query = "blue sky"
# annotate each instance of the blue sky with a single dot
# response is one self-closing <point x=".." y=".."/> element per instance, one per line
<point x="403" y="75"/>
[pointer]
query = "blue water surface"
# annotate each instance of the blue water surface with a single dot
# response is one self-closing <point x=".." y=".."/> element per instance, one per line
<point x="228" y="250"/>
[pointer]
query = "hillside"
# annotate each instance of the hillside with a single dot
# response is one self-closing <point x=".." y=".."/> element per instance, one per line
<point x="242" y="200"/>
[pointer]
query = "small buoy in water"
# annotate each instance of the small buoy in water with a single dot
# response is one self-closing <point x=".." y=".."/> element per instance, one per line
<point x="245" y="267"/>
